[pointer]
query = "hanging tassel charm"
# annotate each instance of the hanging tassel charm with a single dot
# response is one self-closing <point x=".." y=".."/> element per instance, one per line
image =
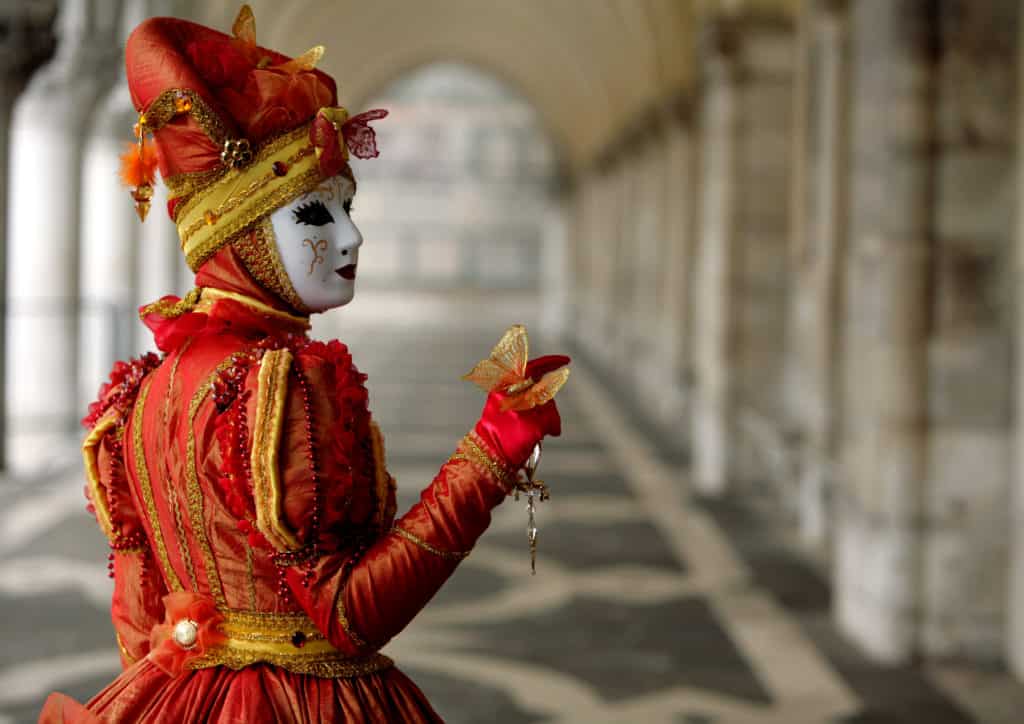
<point x="138" y="169"/>
<point x="534" y="490"/>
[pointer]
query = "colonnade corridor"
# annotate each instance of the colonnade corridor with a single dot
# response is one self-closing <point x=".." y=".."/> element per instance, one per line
<point x="648" y="605"/>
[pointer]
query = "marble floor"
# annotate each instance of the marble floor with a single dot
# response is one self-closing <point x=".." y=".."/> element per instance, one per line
<point x="648" y="606"/>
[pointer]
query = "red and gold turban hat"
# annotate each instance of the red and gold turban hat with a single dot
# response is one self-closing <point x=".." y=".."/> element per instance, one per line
<point x="237" y="131"/>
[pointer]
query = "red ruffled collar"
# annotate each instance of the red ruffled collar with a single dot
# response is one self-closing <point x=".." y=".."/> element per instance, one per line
<point x="172" y="320"/>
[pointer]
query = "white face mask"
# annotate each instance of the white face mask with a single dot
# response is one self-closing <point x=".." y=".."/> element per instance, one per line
<point x="319" y="244"/>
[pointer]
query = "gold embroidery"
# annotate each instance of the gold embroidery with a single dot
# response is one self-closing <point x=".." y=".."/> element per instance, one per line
<point x="416" y="540"/>
<point x="208" y="220"/>
<point x="184" y="185"/>
<point x="291" y="641"/>
<point x="261" y="258"/>
<point x="324" y="666"/>
<point x="267" y="149"/>
<point x="211" y="295"/>
<point x="200" y="250"/>
<point x="172" y="494"/>
<point x="171" y="310"/>
<point x="90" y="456"/>
<point x="343" y="619"/>
<point x="475" y="453"/>
<point x="165" y="107"/>
<point x="196" y="514"/>
<point x="271" y="394"/>
<point x="250" y="576"/>
<point x="385" y="483"/>
<point x="124" y="650"/>
<point x="170" y="575"/>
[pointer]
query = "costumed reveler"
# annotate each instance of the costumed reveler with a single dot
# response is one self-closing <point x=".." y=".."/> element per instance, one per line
<point x="239" y="476"/>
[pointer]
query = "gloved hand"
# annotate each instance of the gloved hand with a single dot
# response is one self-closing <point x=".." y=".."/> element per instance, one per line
<point x="513" y="434"/>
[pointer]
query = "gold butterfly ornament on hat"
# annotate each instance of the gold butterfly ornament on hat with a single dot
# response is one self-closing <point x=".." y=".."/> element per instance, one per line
<point x="506" y="371"/>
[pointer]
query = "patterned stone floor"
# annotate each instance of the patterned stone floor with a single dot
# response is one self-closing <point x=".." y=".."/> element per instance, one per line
<point x="647" y="606"/>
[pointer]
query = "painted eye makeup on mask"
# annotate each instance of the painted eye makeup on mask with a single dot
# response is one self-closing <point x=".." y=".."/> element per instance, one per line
<point x="313" y="213"/>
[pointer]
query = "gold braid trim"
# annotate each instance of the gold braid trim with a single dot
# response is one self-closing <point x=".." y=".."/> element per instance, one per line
<point x="170" y="489"/>
<point x="291" y="641"/>
<point x="170" y="575"/>
<point x="476" y="453"/>
<point x="172" y="310"/>
<point x="323" y="666"/>
<point x="165" y="107"/>
<point x="90" y="456"/>
<point x="184" y="185"/>
<point x="345" y="624"/>
<point x="196" y="514"/>
<point x="211" y="295"/>
<point x="124" y="650"/>
<point x="271" y="394"/>
<point x="208" y="220"/>
<point x="417" y="541"/>
<point x="257" y="249"/>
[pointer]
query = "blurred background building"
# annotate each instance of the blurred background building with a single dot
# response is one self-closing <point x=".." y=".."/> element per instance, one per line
<point x="782" y="240"/>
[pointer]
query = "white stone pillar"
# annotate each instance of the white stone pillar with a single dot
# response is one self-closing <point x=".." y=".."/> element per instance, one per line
<point x="672" y="310"/>
<point x="28" y="41"/>
<point x="814" y="362"/>
<point x="600" y="336"/>
<point x="46" y="152"/>
<point x="1015" y="633"/>
<point x="714" y="407"/>
<point x="556" y="278"/>
<point x="881" y="513"/>
<point x="648" y="252"/>
<point x="625" y="259"/>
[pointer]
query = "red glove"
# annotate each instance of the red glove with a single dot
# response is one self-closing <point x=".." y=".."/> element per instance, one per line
<point x="513" y="434"/>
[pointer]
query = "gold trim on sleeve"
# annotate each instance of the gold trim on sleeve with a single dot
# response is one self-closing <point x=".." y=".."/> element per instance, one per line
<point x="271" y="395"/>
<point x="170" y="575"/>
<point x="474" y="452"/>
<point x="355" y="638"/>
<point x="419" y="542"/>
<point x="90" y="457"/>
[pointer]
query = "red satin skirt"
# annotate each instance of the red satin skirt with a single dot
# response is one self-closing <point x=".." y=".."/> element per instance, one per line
<point x="256" y="694"/>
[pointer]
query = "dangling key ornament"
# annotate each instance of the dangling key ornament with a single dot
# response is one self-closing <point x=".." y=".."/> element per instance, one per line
<point x="534" y="490"/>
<point x="505" y="371"/>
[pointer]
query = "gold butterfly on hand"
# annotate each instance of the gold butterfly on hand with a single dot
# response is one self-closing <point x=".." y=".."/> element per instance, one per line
<point x="505" y="371"/>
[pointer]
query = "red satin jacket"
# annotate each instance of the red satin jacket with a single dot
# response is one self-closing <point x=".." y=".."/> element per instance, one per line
<point x="243" y="473"/>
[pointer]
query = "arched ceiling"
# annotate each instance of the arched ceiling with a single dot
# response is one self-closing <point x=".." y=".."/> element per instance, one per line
<point x="589" y="66"/>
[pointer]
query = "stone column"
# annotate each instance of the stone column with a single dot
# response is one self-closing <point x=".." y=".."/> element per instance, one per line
<point x="628" y="178"/>
<point x="814" y="364"/>
<point x="739" y="425"/>
<point x="46" y="153"/>
<point x="27" y="41"/>
<point x="881" y="513"/>
<point x="110" y="231"/>
<point x="597" y="331"/>
<point x="1015" y="599"/>
<point x="714" y="419"/>
<point x="673" y="308"/>
<point x="648" y="252"/>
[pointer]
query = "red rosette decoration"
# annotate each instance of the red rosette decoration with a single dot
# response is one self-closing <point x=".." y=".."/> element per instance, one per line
<point x="189" y="630"/>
